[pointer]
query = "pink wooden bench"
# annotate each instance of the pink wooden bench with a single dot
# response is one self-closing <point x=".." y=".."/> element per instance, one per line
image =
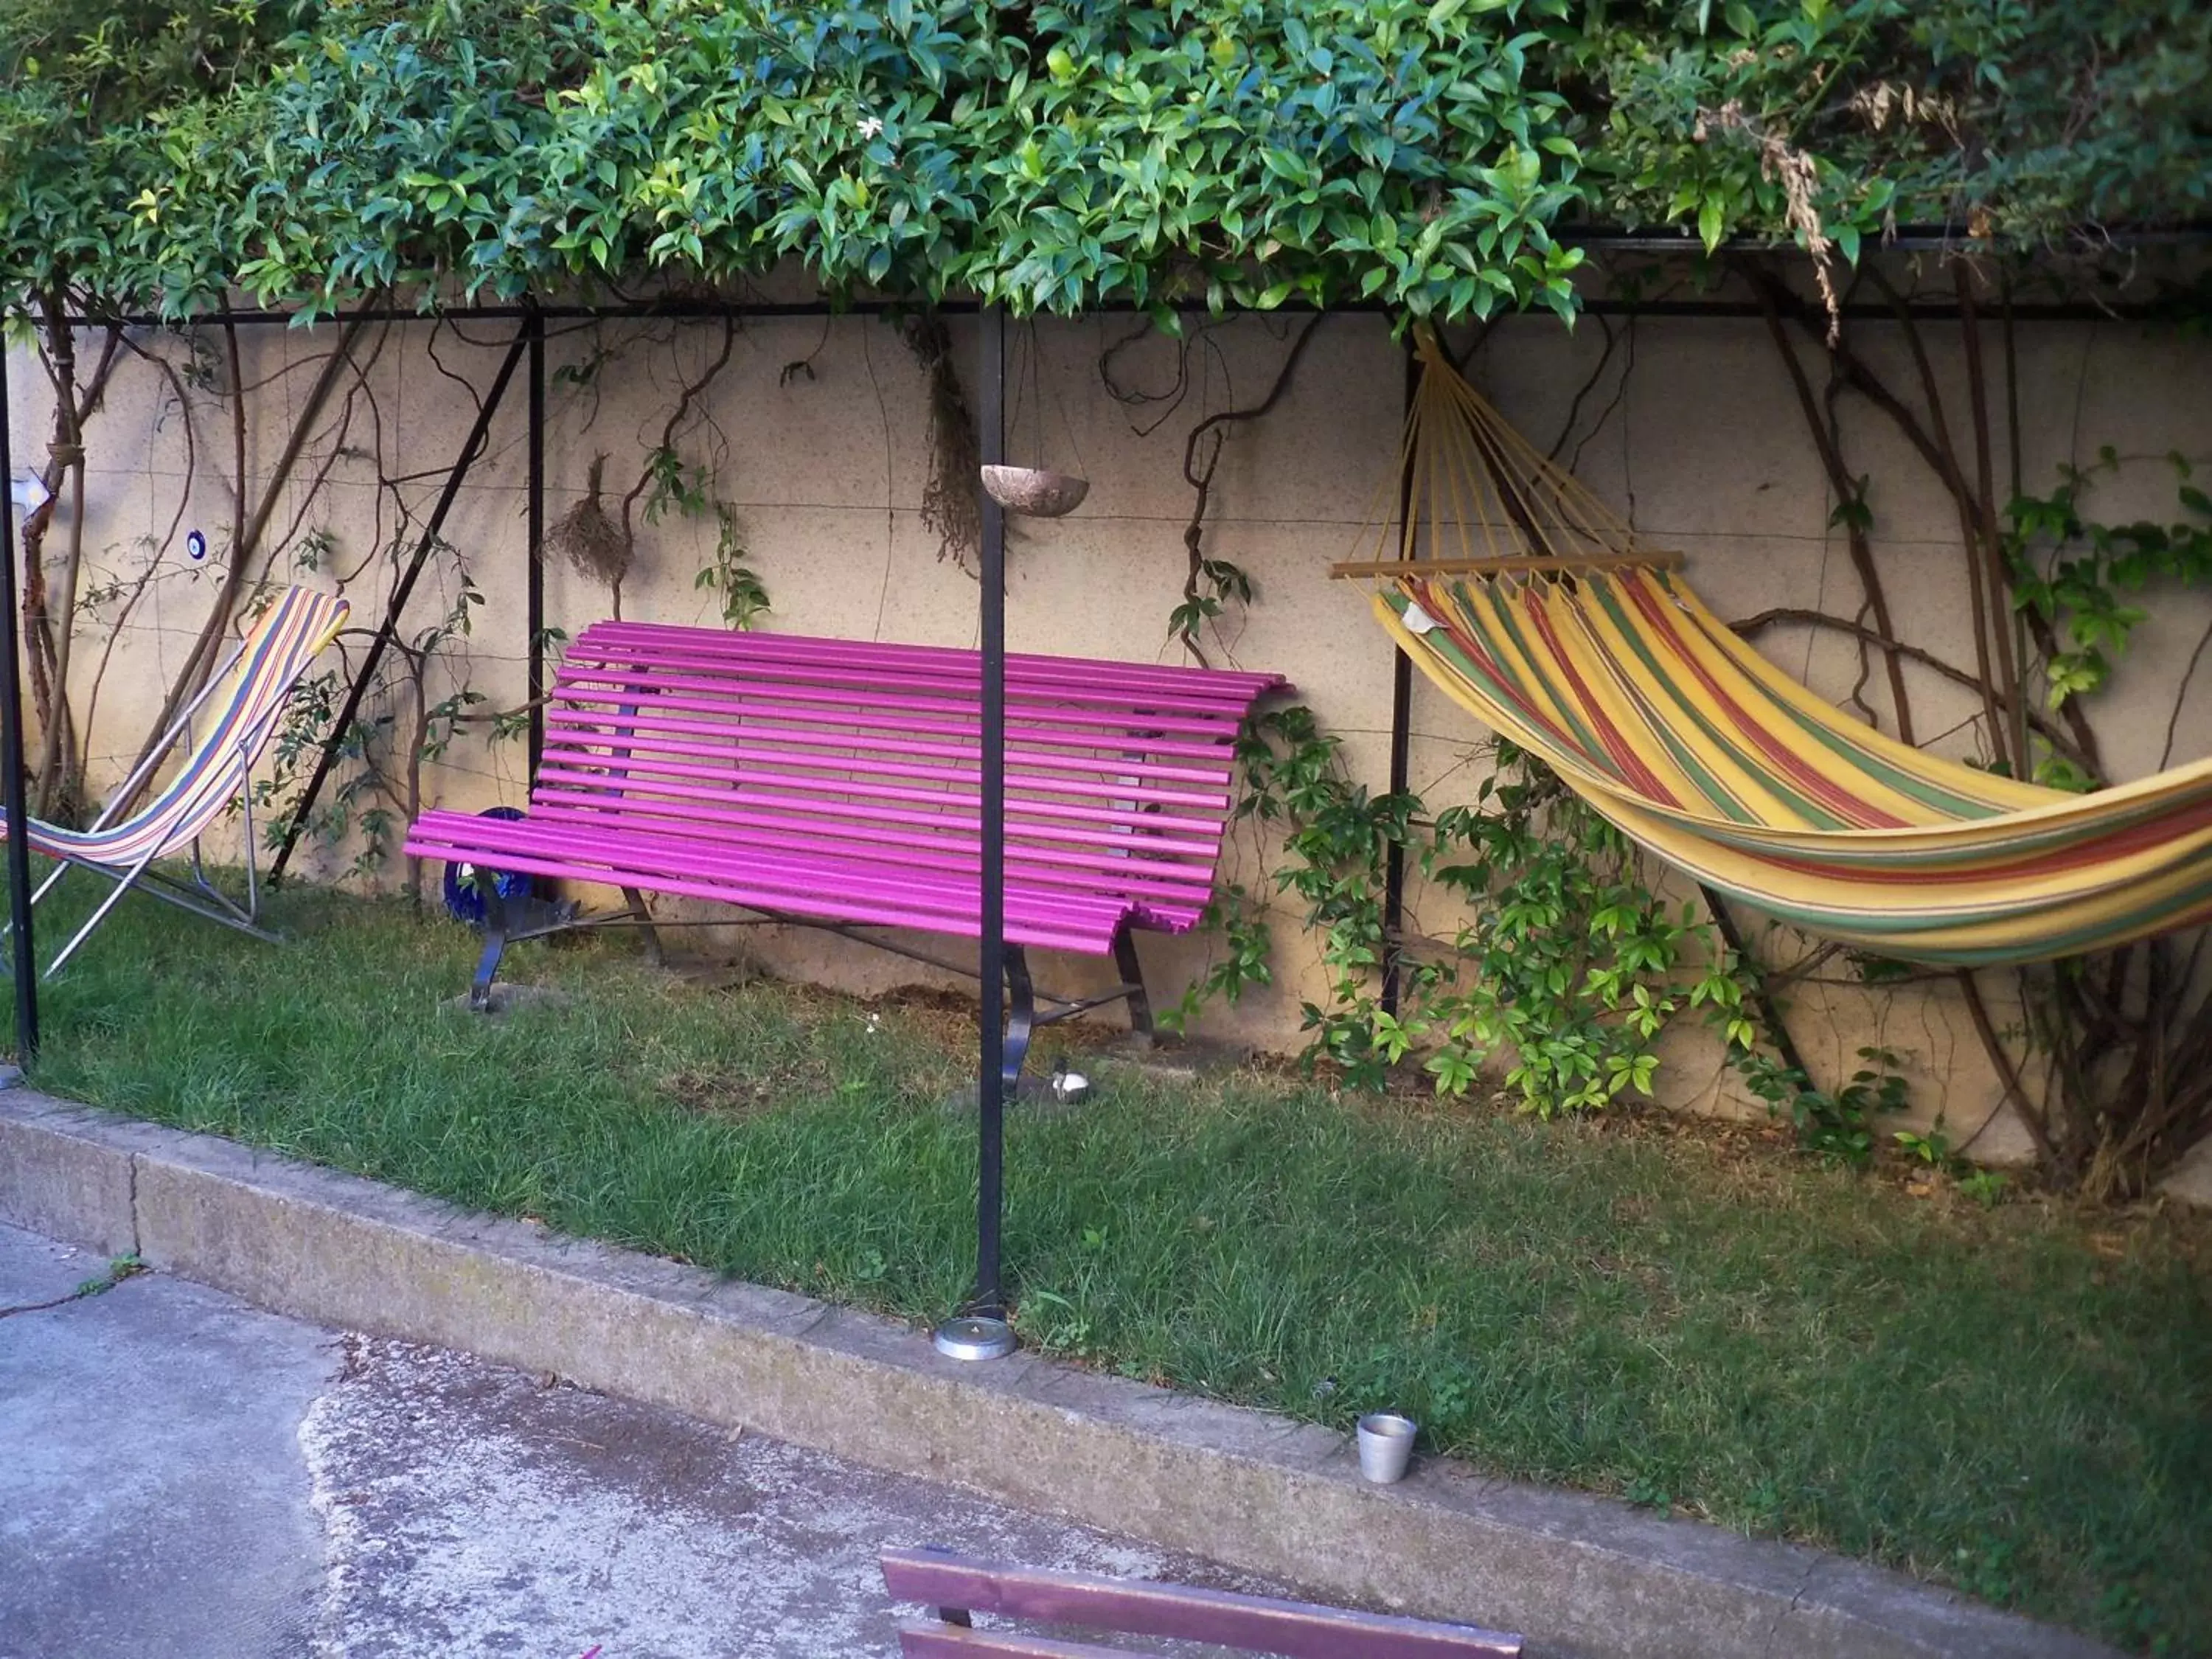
<point x="958" y="1589"/>
<point x="837" y="783"/>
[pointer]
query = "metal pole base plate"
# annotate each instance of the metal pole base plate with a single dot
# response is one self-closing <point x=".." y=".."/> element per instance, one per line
<point x="975" y="1336"/>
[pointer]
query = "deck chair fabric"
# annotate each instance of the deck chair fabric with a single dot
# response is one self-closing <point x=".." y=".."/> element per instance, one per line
<point x="239" y="708"/>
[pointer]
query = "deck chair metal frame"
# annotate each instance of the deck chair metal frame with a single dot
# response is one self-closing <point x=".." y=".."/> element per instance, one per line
<point x="195" y="892"/>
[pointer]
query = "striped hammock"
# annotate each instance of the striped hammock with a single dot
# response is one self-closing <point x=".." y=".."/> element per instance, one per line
<point x="1595" y="655"/>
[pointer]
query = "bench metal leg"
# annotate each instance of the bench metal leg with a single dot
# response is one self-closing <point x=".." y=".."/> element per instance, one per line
<point x="635" y="900"/>
<point x="509" y="921"/>
<point x="1021" y="1018"/>
<point x="496" y="925"/>
<point x="1132" y="982"/>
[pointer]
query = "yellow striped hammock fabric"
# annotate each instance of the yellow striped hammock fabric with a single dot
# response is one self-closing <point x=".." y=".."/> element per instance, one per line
<point x="1534" y="607"/>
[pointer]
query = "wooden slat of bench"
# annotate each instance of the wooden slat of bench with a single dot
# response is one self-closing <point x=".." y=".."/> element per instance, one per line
<point x="727" y="763"/>
<point x="731" y="853"/>
<point x="1040" y="866"/>
<point x="886" y="658"/>
<point x="943" y="815"/>
<point x="828" y="704"/>
<point x="1180" y="886"/>
<point x="1144" y="836"/>
<point x="1085" y="696"/>
<point x="823" y="889"/>
<point x="1089" y="704"/>
<point x="793" y="870"/>
<point x="646" y="730"/>
<point x="1043" y="709"/>
<point x="1210" y="765"/>
<point x="1140" y="1607"/>
<point x="956" y="675"/>
<point x="952" y="813"/>
<point x="1051" y="863"/>
<point x="622" y="741"/>
<point x="573" y="701"/>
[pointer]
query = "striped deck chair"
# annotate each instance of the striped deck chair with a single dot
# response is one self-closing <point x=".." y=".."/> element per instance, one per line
<point x="250" y="691"/>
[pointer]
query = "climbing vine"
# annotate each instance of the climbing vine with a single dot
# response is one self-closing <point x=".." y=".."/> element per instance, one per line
<point x="1562" y="966"/>
<point x="2084" y="585"/>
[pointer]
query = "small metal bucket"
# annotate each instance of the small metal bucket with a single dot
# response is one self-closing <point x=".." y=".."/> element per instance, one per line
<point x="1386" y="1445"/>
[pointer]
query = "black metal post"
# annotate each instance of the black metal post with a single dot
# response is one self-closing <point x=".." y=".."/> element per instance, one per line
<point x="11" y="760"/>
<point x="1401" y="716"/>
<point x="377" y="646"/>
<point x="990" y="1080"/>
<point x="534" y="605"/>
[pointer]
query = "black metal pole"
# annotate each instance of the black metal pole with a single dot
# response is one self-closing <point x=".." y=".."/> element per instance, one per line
<point x="377" y="646"/>
<point x="534" y="606"/>
<point x="11" y="760"/>
<point x="1401" y="716"/>
<point x="990" y="1299"/>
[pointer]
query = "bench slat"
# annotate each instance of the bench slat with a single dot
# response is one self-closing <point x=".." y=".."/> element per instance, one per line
<point x="690" y="760"/>
<point x="1107" y="697"/>
<point x="1025" y="864"/>
<point x="1029" y="818"/>
<point x="1101" y="698"/>
<point x="936" y="810"/>
<point x="883" y="845"/>
<point x="1141" y="1608"/>
<point x="952" y="672"/>
<point x="824" y="700"/>
<point x="678" y="734"/>
<point x="795" y="868"/>
<point x="644" y="732"/>
<point x="882" y="658"/>
<point x="571" y="705"/>
<point x="1062" y="922"/>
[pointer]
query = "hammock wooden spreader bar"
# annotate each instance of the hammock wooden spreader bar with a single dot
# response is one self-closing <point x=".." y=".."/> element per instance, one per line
<point x="1653" y="710"/>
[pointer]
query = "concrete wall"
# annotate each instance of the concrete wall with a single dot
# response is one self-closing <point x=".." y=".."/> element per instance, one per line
<point x="1689" y="428"/>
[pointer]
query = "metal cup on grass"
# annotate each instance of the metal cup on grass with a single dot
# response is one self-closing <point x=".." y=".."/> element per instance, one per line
<point x="1386" y="1443"/>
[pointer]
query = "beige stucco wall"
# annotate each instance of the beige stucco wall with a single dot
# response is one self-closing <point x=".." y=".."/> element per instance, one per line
<point x="1691" y="430"/>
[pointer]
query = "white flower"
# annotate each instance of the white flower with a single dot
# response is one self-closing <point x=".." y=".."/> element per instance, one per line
<point x="870" y="125"/>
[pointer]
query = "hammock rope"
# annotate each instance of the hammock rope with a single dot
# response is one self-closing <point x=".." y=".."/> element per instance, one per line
<point x="1534" y="607"/>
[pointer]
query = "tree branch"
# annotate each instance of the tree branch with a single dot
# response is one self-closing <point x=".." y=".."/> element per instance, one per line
<point x="1783" y="615"/>
<point x="1846" y="489"/>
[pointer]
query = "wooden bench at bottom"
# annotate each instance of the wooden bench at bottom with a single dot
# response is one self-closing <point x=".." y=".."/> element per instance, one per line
<point x="958" y="1587"/>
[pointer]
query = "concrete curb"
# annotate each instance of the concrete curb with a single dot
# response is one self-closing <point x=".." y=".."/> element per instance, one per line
<point x="1579" y="1575"/>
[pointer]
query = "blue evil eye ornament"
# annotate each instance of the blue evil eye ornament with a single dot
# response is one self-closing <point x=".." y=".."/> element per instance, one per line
<point x="195" y="546"/>
<point x="464" y="883"/>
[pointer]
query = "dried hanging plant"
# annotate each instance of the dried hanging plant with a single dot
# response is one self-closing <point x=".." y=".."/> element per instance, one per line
<point x="949" y="507"/>
<point x="589" y="540"/>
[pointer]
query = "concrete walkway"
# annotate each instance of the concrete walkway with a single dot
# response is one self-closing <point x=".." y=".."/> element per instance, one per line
<point x="183" y="1474"/>
<point x="1580" y="1574"/>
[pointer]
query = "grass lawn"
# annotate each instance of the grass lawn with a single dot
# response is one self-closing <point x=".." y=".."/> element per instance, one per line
<point x="2017" y="1401"/>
